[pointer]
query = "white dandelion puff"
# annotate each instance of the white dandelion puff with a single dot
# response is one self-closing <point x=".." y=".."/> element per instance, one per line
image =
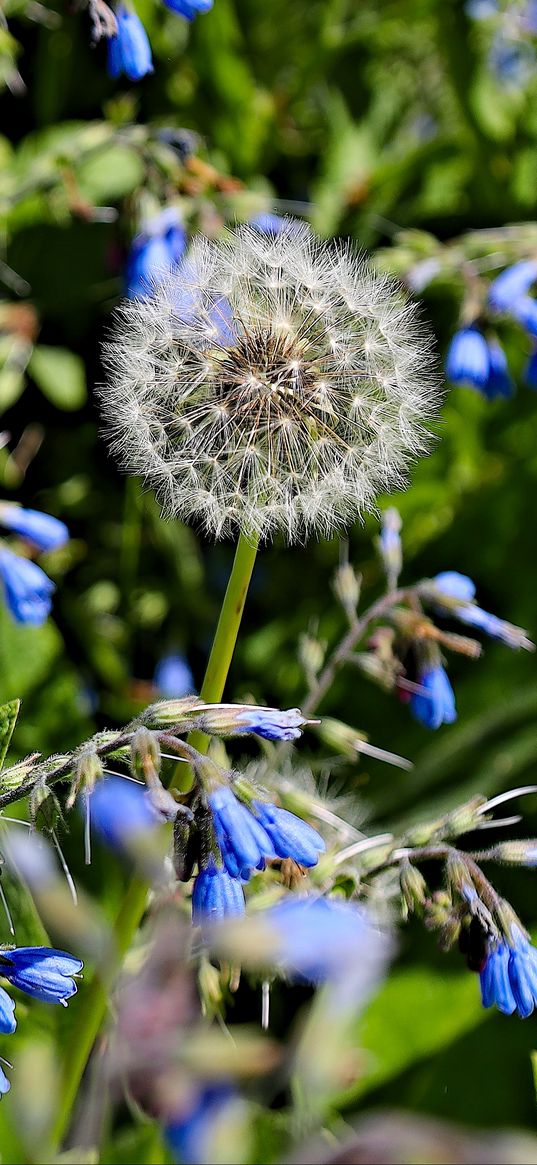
<point x="272" y="383"/>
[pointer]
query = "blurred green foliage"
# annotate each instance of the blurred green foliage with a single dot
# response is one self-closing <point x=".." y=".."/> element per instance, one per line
<point x="368" y="117"/>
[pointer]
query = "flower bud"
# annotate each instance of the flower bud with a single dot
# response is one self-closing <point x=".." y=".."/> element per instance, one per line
<point x="145" y="756"/>
<point x="88" y="771"/>
<point x="515" y="853"/>
<point x="179" y="714"/>
<point x="339" y="736"/>
<point x="389" y="543"/>
<point x="311" y="654"/>
<point x="346" y="585"/>
<point x="413" y="887"/>
<point x="243" y="719"/>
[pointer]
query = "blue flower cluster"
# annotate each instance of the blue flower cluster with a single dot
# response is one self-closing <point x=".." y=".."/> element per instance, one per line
<point x="246" y="839"/>
<point x="42" y="972"/>
<point x="27" y="589"/>
<point x="509" y="977"/>
<point x="479" y="361"/>
<point x="129" y="51"/>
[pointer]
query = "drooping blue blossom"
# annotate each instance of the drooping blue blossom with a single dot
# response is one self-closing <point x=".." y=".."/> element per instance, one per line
<point x="5" y="1084"/>
<point x="27" y="588"/>
<point x="189" y="8"/>
<point x="244" y="843"/>
<point x="499" y="381"/>
<point x="189" y="1133"/>
<point x="8" y="1022"/>
<point x="461" y="589"/>
<point x="290" y="835"/>
<point x="514" y="282"/>
<point x="155" y="251"/>
<point x="42" y="972"/>
<point x="173" y="677"/>
<point x="130" y="51"/>
<point x="46" y="532"/>
<point x="509" y="977"/>
<point x="435" y="705"/>
<point x="468" y="360"/>
<point x="216" y="895"/>
<point x="120" y="811"/>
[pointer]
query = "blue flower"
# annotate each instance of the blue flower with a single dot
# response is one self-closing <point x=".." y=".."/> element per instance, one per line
<point x="4" y="1082"/>
<point x="271" y="723"/>
<point x="320" y="939"/>
<point x="509" y="977"/>
<point x="173" y="677"/>
<point x="455" y="585"/>
<point x="216" y="895"/>
<point x="46" y="532"/>
<point x="436" y="705"/>
<point x="42" y="972"/>
<point x="513" y="283"/>
<point x="499" y="381"/>
<point x="468" y="360"/>
<point x="290" y="835"/>
<point x="189" y="1133"/>
<point x="189" y="8"/>
<point x="154" y="252"/>
<point x="120" y="810"/>
<point x="8" y="1022"/>
<point x="458" y="587"/>
<point x="267" y="223"/>
<point x="28" y="589"/>
<point x="244" y="843"/>
<point x="129" y="52"/>
<point x="525" y="311"/>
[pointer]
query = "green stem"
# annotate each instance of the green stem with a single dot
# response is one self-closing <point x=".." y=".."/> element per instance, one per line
<point x="133" y="905"/>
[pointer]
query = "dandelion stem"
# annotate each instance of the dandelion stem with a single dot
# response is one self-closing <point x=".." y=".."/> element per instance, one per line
<point x="133" y="904"/>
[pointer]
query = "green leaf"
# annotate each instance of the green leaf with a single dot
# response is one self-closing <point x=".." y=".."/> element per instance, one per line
<point x="60" y="375"/>
<point x="110" y="175"/>
<point x="417" y="1012"/>
<point x="8" y="718"/>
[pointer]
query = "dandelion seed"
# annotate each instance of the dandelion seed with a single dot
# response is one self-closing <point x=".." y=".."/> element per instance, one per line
<point x="272" y="383"/>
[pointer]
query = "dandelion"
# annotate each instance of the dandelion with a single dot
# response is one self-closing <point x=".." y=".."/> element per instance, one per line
<point x="272" y="383"/>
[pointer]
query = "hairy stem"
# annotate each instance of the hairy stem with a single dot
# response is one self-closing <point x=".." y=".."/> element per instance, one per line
<point x="341" y="653"/>
<point x="133" y="905"/>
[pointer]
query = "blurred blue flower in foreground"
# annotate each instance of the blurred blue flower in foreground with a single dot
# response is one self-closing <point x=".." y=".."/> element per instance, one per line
<point x="436" y="704"/>
<point x="509" y="977"/>
<point x="216" y="895"/>
<point x="191" y="1133"/>
<point x="27" y="588"/>
<point x="454" y="593"/>
<point x="173" y="677"/>
<point x="129" y="52"/>
<point x="189" y="8"/>
<point x="155" y="251"/>
<point x="120" y="810"/>
<point x="46" y="532"/>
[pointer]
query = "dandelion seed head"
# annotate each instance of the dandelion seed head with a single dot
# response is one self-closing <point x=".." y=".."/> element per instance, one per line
<point x="273" y="383"/>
